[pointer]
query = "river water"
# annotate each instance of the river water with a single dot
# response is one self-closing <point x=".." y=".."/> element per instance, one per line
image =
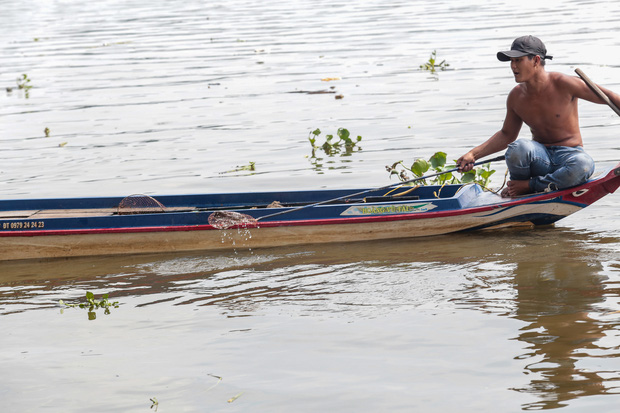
<point x="165" y="97"/>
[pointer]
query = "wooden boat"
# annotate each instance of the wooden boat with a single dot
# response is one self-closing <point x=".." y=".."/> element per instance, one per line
<point x="47" y="228"/>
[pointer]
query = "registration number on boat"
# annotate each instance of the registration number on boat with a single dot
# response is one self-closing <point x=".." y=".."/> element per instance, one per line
<point x="23" y="225"/>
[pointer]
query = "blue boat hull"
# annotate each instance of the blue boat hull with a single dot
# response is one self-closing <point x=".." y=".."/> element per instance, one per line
<point x="47" y="228"/>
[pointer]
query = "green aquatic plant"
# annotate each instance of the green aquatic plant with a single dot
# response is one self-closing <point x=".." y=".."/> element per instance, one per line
<point x="433" y="65"/>
<point x="437" y="163"/>
<point x="23" y="83"/>
<point x="344" y="146"/>
<point x="249" y="167"/>
<point x="93" y="304"/>
<point x="332" y="147"/>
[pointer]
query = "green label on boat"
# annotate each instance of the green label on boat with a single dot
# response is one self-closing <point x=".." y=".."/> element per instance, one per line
<point x="388" y="209"/>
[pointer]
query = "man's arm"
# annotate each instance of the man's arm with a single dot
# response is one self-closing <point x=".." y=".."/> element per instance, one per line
<point x="499" y="141"/>
<point x="581" y="90"/>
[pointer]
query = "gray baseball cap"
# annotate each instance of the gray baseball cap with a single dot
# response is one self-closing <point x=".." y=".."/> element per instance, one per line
<point x="525" y="46"/>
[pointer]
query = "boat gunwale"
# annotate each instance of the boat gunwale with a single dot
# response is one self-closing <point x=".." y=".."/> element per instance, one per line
<point x="503" y="203"/>
<point x="289" y="223"/>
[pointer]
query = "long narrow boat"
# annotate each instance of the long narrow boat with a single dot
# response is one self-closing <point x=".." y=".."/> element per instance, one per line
<point x="47" y="228"/>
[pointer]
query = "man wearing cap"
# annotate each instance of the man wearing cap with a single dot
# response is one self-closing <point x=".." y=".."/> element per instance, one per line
<point x="547" y="102"/>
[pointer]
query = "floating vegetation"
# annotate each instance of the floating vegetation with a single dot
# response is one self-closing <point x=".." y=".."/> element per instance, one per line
<point x="332" y="89"/>
<point x="249" y="167"/>
<point x="437" y="162"/>
<point x="232" y="399"/>
<point x="432" y="65"/>
<point x="219" y="380"/>
<point x="155" y="402"/>
<point x="344" y="145"/>
<point x="47" y="132"/>
<point x="23" y="83"/>
<point x="93" y="304"/>
<point x="317" y="92"/>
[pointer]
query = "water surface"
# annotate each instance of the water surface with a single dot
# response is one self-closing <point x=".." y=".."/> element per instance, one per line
<point x="160" y="97"/>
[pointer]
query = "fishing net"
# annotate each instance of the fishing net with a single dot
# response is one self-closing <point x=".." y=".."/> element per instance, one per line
<point x="227" y="219"/>
<point x="140" y="204"/>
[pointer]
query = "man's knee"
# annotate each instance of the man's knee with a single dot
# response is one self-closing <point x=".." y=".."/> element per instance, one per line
<point x="580" y="167"/>
<point x="519" y="151"/>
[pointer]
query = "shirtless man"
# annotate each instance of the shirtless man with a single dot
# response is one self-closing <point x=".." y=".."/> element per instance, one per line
<point x="547" y="103"/>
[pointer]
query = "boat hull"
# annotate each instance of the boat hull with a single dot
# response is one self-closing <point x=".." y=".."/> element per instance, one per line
<point x="196" y="239"/>
<point x="95" y="233"/>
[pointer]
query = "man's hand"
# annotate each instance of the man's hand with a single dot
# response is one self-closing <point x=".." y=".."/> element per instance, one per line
<point x="466" y="162"/>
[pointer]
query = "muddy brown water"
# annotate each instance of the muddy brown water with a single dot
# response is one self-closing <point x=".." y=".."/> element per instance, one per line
<point x="179" y="97"/>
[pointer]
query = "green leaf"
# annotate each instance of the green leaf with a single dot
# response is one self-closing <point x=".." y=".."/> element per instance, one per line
<point x="90" y="296"/>
<point x="468" y="177"/>
<point x="484" y="174"/>
<point x="343" y="134"/>
<point x="316" y="132"/>
<point x="420" y="167"/>
<point x="438" y="160"/>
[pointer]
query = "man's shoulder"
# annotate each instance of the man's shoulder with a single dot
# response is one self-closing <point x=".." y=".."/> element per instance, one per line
<point x="516" y="91"/>
<point x="557" y="75"/>
<point x="561" y="78"/>
<point x="564" y="83"/>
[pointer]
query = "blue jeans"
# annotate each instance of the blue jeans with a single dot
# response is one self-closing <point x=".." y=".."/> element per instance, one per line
<point x="548" y="167"/>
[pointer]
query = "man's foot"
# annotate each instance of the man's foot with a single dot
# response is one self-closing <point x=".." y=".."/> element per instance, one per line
<point x="516" y="188"/>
